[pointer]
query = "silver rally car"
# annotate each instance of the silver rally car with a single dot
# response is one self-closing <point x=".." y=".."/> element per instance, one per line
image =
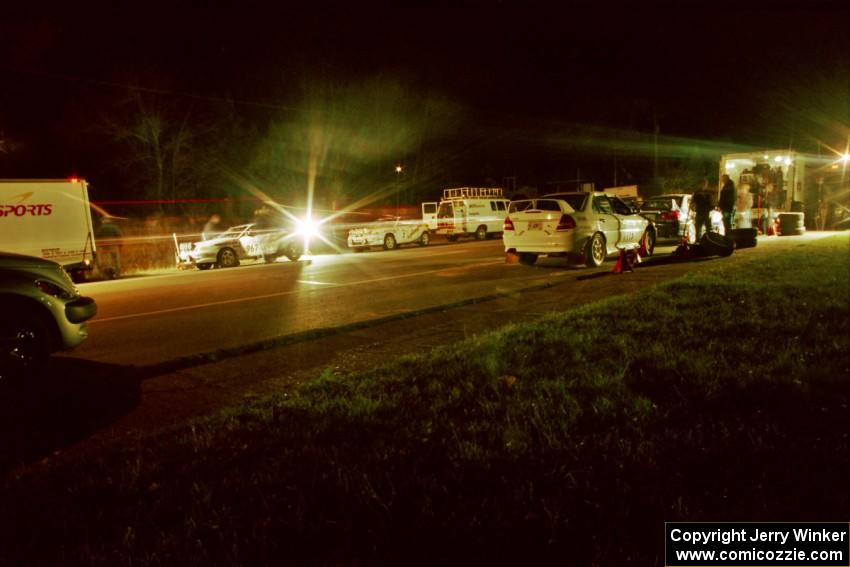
<point x="243" y="242"/>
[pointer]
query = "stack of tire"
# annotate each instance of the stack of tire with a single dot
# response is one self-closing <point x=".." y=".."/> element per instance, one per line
<point x="791" y="224"/>
<point x="744" y="237"/>
<point x="714" y="244"/>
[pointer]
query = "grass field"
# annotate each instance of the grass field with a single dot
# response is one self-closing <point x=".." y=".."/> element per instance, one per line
<point x="719" y="397"/>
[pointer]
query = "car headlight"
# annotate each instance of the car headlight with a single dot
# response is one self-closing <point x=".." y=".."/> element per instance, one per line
<point x="306" y="227"/>
<point x="52" y="289"/>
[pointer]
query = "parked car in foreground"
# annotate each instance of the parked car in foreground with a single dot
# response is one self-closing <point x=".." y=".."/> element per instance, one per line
<point x="243" y="242"/>
<point x="583" y="226"/>
<point x="43" y="312"/>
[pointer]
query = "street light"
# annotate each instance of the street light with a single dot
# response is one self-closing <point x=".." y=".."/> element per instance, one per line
<point x="398" y="170"/>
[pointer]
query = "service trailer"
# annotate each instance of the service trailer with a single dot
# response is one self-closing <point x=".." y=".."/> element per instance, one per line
<point x="49" y="219"/>
<point x="784" y="186"/>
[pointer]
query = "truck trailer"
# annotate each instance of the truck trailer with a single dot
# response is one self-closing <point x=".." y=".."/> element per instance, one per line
<point x="803" y="187"/>
<point x="49" y="219"/>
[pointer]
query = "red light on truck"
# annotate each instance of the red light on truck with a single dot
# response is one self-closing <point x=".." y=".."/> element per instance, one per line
<point x="509" y="225"/>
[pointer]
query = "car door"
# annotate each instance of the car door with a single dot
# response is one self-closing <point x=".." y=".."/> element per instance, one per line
<point x="631" y="225"/>
<point x="605" y="221"/>
<point x="429" y="215"/>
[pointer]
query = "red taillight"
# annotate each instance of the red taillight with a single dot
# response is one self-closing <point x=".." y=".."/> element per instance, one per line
<point x="566" y="223"/>
<point x="669" y="215"/>
<point x="509" y="225"/>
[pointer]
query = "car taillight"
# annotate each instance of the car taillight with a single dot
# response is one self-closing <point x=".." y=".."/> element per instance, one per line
<point x="566" y="223"/>
<point x="509" y="225"/>
<point x="669" y="215"/>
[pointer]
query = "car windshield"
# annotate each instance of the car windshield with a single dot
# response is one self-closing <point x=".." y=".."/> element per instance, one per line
<point x="574" y="200"/>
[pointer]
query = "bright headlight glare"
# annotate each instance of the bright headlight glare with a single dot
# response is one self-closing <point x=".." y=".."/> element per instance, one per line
<point x="307" y="227"/>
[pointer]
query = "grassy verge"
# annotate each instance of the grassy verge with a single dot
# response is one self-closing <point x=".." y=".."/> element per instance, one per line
<point x="722" y="396"/>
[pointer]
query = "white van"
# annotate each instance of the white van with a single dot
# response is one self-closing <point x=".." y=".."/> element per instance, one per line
<point x="472" y="211"/>
<point x="49" y="219"/>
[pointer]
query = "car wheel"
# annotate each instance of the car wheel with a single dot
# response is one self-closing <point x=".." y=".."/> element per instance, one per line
<point x="227" y="258"/>
<point x="481" y="232"/>
<point x="204" y="266"/>
<point x="527" y="258"/>
<point x="294" y="252"/>
<point x="595" y="253"/>
<point x="424" y="239"/>
<point x="649" y="235"/>
<point x="26" y="345"/>
<point x="452" y="238"/>
<point x="390" y="242"/>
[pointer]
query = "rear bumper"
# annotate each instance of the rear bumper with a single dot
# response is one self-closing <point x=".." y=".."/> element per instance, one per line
<point x="562" y="243"/>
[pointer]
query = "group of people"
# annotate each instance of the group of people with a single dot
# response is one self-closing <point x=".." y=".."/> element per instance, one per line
<point x="703" y="203"/>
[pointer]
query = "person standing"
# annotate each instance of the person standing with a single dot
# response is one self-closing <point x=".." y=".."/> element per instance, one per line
<point x="108" y="236"/>
<point x="211" y="229"/>
<point x="702" y="203"/>
<point x="728" y="197"/>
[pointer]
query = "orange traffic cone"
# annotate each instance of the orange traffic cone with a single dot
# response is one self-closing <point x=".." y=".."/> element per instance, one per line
<point x="642" y="249"/>
<point x="621" y="260"/>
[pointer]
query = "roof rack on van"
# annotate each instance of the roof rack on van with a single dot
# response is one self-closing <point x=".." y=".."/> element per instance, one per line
<point x="472" y="192"/>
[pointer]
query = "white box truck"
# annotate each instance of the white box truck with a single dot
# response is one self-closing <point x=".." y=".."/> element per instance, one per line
<point x="49" y="219"/>
<point x="472" y="211"/>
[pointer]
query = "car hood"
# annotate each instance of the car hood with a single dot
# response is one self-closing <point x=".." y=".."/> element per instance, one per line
<point x="10" y="260"/>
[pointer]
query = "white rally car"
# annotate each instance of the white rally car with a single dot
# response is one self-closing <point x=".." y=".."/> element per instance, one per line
<point x="586" y="226"/>
<point x="389" y="233"/>
<point x="243" y="242"/>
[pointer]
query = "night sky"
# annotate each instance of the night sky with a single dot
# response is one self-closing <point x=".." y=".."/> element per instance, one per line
<point x="536" y="91"/>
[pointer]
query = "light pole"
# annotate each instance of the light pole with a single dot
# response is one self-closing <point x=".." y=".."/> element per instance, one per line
<point x="398" y="170"/>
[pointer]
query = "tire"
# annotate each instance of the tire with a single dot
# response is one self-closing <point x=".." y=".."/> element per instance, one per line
<point x="452" y="237"/>
<point x="714" y="244"/>
<point x="527" y="258"/>
<point x="390" y="242"/>
<point x="791" y="224"/>
<point x="594" y="253"/>
<point x="650" y="241"/>
<point x="26" y="345"/>
<point x="745" y="237"/>
<point x="204" y="266"/>
<point x="294" y="252"/>
<point x="481" y="232"/>
<point x="424" y="239"/>
<point x="227" y="258"/>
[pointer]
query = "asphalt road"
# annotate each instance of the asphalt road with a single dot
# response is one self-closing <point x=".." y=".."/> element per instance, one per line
<point x="152" y="319"/>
